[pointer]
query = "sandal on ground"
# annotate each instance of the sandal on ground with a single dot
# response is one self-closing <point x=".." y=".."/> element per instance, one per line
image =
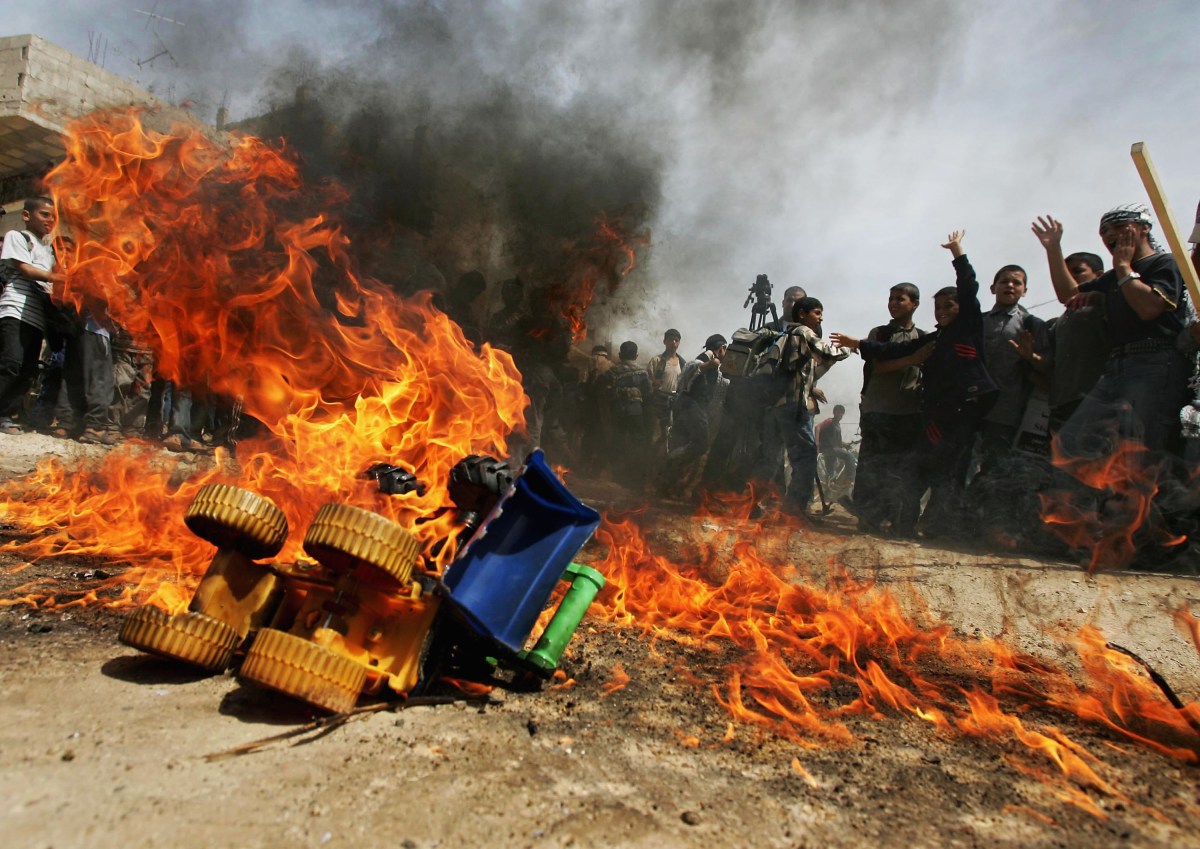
<point x="11" y="428"/>
<point x="97" y="437"/>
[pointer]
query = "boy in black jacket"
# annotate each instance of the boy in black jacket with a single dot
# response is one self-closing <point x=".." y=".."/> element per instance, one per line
<point x="957" y="393"/>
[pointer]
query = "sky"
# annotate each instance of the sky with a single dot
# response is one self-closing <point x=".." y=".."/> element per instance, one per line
<point x="828" y="144"/>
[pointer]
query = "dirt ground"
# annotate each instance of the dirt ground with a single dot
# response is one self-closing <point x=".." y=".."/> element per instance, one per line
<point x="101" y="746"/>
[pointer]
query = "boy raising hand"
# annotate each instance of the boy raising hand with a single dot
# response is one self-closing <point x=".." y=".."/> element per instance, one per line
<point x="957" y="393"/>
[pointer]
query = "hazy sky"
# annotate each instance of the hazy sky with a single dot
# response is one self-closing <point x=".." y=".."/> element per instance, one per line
<point x="831" y="144"/>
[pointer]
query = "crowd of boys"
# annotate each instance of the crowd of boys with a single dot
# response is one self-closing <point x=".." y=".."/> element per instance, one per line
<point x="953" y="415"/>
<point x="949" y="419"/>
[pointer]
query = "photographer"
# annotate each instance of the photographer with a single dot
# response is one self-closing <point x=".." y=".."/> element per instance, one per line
<point x="790" y="295"/>
<point x="689" y="432"/>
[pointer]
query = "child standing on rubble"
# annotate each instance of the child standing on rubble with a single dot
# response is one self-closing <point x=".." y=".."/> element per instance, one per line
<point x="957" y="393"/>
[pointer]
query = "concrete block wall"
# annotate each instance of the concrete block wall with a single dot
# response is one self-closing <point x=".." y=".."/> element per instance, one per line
<point x="50" y="86"/>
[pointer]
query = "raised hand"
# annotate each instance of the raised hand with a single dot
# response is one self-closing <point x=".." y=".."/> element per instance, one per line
<point x="954" y="240"/>
<point x="1048" y="231"/>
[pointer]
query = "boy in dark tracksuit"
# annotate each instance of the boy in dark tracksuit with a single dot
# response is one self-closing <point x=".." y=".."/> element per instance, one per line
<point x="957" y="393"/>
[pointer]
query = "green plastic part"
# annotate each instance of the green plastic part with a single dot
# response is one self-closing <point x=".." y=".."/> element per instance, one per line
<point x="585" y="583"/>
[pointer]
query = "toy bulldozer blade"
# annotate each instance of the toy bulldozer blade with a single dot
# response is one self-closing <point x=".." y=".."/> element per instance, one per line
<point x="505" y="575"/>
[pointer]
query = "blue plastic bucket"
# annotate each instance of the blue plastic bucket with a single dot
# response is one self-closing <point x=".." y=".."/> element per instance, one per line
<point x="504" y="576"/>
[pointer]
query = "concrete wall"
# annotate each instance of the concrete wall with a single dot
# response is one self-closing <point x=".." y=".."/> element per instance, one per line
<point x="50" y="86"/>
<point x="42" y="88"/>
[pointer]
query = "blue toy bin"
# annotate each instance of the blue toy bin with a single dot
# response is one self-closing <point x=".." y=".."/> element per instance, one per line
<point x="501" y="581"/>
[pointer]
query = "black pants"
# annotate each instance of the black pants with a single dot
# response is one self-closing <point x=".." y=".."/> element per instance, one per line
<point x="629" y="451"/>
<point x="943" y="459"/>
<point x="689" y="439"/>
<point x="20" y="347"/>
<point x="887" y="469"/>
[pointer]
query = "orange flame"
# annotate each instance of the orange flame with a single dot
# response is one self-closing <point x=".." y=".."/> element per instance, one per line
<point x="609" y="259"/>
<point x="620" y="678"/>
<point x="813" y="657"/>
<point x="215" y="255"/>
<point x="1121" y="504"/>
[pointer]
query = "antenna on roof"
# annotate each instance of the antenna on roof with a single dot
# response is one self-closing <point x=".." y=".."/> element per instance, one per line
<point x="97" y="48"/>
<point x="152" y="19"/>
<point x="158" y="18"/>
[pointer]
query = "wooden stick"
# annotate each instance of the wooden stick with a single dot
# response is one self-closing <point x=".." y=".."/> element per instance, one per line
<point x="1160" y="682"/>
<point x="1141" y="158"/>
<point x="328" y="724"/>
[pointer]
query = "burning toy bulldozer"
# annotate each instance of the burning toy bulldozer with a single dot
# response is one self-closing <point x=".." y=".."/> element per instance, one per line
<point x="367" y="615"/>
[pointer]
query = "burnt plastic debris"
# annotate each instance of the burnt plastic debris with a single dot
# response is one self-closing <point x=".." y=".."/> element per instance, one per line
<point x="395" y="480"/>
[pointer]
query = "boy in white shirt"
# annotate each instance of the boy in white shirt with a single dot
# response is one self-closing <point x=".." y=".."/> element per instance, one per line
<point x="22" y="305"/>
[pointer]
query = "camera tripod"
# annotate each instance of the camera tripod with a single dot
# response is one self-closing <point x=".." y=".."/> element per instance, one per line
<point x="760" y="294"/>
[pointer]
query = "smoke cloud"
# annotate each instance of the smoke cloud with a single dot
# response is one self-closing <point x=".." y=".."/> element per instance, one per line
<point x="495" y="135"/>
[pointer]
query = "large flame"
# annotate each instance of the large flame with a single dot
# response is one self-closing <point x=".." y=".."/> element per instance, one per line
<point x="215" y="254"/>
<point x="812" y="655"/>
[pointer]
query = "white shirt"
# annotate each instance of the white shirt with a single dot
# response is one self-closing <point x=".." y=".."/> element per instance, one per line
<point x="20" y="299"/>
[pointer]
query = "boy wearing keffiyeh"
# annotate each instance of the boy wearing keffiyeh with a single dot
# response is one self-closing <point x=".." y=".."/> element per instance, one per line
<point x="1144" y="382"/>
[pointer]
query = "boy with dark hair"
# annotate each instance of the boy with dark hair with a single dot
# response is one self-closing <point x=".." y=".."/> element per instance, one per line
<point x="626" y="391"/>
<point x="689" y="431"/>
<point x="1078" y="339"/>
<point x="1144" y="381"/>
<point x="801" y="356"/>
<point x="664" y="370"/>
<point x="957" y="392"/>
<point x="1005" y="325"/>
<point x="1084" y="266"/>
<point x="890" y="423"/>
<point x="24" y="305"/>
<point x="832" y="446"/>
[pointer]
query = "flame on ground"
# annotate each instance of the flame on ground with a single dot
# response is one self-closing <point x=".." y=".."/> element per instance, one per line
<point x="237" y="276"/>
<point x="1117" y="512"/>
<point x="811" y="657"/>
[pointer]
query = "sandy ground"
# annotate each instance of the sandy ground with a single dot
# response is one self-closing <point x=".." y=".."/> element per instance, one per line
<point x="101" y="746"/>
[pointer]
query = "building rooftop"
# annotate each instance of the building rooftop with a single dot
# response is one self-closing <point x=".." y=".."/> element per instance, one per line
<point x="42" y="88"/>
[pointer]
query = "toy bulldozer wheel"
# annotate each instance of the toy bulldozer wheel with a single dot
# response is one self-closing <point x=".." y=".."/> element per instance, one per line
<point x="230" y="517"/>
<point x="343" y="537"/>
<point x="191" y="637"/>
<point x="299" y="668"/>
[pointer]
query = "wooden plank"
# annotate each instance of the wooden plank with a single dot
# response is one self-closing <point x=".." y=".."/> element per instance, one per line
<point x="1145" y="167"/>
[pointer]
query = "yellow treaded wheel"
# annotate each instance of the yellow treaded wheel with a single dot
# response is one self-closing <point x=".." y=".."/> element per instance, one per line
<point x="343" y="537"/>
<point x="302" y="669"/>
<point x="230" y="517"/>
<point x="191" y="637"/>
